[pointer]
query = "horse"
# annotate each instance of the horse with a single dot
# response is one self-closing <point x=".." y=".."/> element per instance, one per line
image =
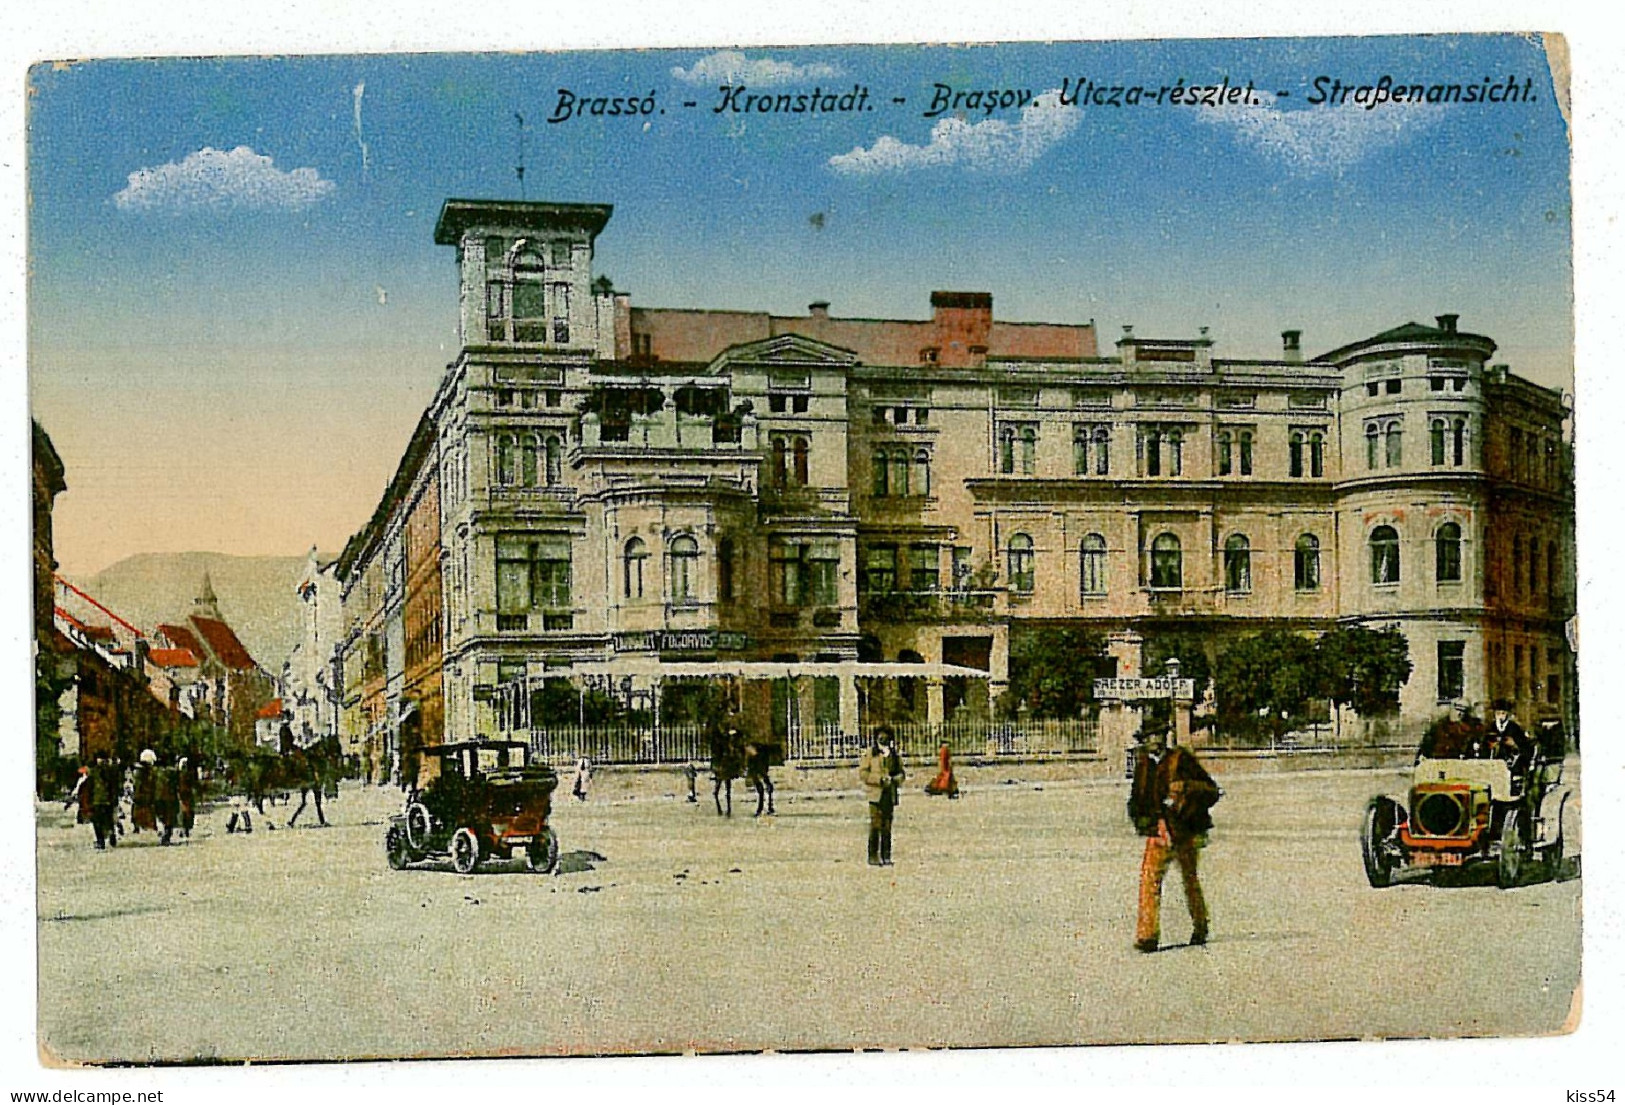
<point x="307" y="769"/>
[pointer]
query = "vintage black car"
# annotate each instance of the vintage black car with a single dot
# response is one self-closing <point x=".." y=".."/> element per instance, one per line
<point x="1472" y="802"/>
<point x="476" y="801"/>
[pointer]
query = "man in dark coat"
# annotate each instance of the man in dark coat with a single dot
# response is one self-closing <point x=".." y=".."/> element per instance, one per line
<point x="166" y="805"/>
<point x="106" y="784"/>
<point x="880" y="769"/>
<point x="1168" y="802"/>
<point x="1507" y="741"/>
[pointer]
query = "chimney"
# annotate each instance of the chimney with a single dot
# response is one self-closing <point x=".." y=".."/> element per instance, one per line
<point x="962" y="323"/>
<point x="1447" y="323"/>
<point x="1290" y="348"/>
<point x="819" y="309"/>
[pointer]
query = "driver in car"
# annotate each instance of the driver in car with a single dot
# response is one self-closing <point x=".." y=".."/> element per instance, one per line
<point x="1507" y="741"/>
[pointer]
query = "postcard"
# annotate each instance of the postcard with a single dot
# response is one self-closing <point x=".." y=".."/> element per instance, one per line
<point x="803" y="549"/>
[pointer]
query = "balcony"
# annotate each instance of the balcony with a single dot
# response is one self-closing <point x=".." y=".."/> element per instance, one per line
<point x="912" y="607"/>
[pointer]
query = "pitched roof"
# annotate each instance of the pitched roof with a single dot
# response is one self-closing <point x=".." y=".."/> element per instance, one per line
<point x="182" y="637"/>
<point x="223" y="643"/>
<point x="271" y="709"/>
<point x="173" y="657"/>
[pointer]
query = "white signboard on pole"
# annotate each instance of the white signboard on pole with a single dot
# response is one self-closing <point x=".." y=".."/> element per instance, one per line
<point x="1125" y="690"/>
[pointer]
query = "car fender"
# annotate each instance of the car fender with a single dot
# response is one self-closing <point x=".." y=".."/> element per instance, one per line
<point x="1549" y="819"/>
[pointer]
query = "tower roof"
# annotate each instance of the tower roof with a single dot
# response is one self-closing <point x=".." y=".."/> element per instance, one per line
<point x="457" y="216"/>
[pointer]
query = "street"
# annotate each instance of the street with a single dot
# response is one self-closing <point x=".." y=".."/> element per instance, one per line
<point x="1007" y="920"/>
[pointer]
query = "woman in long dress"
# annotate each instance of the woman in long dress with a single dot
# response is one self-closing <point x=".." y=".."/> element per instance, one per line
<point x="944" y="783"/>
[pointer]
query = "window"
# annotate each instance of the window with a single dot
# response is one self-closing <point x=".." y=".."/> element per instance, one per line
<point x="1244" y="447"/>
<point x="685" y="561"/>
<point x="725" y="569"/>
<point x="922" y="567"/>
<point x="1391" y="386"/>
<point x="790" y="456"/>
<point x="899" y="473"/>
<point x="1080" y="450"/>
<point x="1447" y="553"/>
<point x="1436" y="440"/>
<point x="1552" y="587"/>
<point x="1167" y="567"/>
<point x="1517" y="453"/>
<point x="1007" y="450"/>
<point x="532" y="573"/>
<point x="1554" y="677"/>
<point x="1176" y="455"/>
<point x="1534" y="562"/>
<point x="1395" y="445"/>
<point x="804" y="572"/>
<point x="922" y="471"/>
<point x="1458" y="441"/>
<point x="1306" y="563"/>
<point x="1452" y="677"/>
<point x="1087" y="438"/>
<point x="880" y="569"/>
<point x="1153" y="452"/>
<point x="882" y="474"/>
<point x="1238" y="565"/>
<point x="1092" y="565"/>
<point x="962" y="567"/>
<point x="1384" y="555"/>
<point x="1029" y="449"/>
<point x="1372" y="447"/>
<point x="1295" y="455"/>
<point x="1317" y="454"/>
<point x="632" y="561"/>
<point x="1308" y="453"/>
<point x="505" y="460"/>
<point x="1517" y="671"/>
<point x="555" y="458"/>
<point x="1018" y="443"/>
<point x="1103" y="446"/>
<point x="527" y="460"/>
<point x="1226" y="457"/>
<point x="1517" y="561"/>
<point x="1020" y="558"/>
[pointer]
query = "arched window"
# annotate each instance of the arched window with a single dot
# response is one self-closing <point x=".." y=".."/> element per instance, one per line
<point x="1167" y="563"/>
<point x="505" y="460"/>
<point x="1238" y="565"/>
<point x="1295" y="464"/>
<point x="1103" y="448"/>
<point x="1372" y="445"/>
<point x="1458" y="441"/>
<point x="1029" y="450"/>
<point x="1552" y="587"/>
<point x="800" y="450"/>
<point x="1436" y="440"/>
<point x="1517" y="561"/>
<point x="1317" y="455"/>
<point x="1244" y="443"/>
<point x="781" y="466"/>
<point x="1153" y="452"/>
<point x="1385" y="555"/>
<point x="1176" y="452"/>
<point x="1092" y="565"/>
<point x="685" y="559"/>
<point x="527" y="460"/>
<point x="1534" y="563"/>
<point x="1080" y="450"/>
<point x="882" y="474"/>
<point x="1007" y="450"/>
<point x="922" y="471"/>
<point x="1020" y="563"/>
<point x="1306" y="563"/>
<point x="899" y="472"/>
<point x="555" y="460"/>
<point x="632" y="568"/>
<point x="1225" y="457"/>
<point x="1447" y="553"/>
<point x="1395" y="443"/>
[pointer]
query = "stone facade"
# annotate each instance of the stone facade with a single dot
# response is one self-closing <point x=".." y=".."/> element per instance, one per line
<point x="618" y="487"/>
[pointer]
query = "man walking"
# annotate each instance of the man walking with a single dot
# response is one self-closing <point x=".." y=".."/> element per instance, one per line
<point x="1168" y="802"/>
<point x="881" y="770"/>
<point x="106" y="782"/>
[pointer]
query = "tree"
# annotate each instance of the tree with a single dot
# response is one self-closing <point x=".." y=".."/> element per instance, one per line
<point x="1364" y="668"/>
<point x="1268" y="680"/>
<point x="1052" y="672"/>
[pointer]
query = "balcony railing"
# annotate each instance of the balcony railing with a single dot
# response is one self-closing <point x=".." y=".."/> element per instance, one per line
<point x="899" y="607"/>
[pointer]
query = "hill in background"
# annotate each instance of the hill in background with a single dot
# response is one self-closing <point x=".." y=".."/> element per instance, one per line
<point x="256" y="595"/>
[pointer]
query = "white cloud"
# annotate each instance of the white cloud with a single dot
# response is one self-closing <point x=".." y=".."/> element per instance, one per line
<point x="733" y="67"/>
<point x="238" y="179"/>
<point x="1315" y="140"/>
<point x="992" y="145"/>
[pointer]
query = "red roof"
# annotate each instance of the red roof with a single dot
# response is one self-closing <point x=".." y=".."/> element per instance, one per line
<point x="271" y="709"/>
<point x="223" y="643"/>
<point x="182" y="637"/>
<point x="173" y="657"/>
<point x="94" y="632"/>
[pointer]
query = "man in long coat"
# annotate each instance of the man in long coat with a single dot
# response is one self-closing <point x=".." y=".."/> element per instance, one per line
<point x="881" y="771"/>
<point x="1168" y="802"/>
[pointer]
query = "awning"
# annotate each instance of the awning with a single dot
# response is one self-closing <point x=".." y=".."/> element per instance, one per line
<point x="772" y="669"/>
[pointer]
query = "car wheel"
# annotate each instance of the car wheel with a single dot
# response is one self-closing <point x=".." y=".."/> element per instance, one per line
<point x="542" y="854"/>
<point x="465" y="851"/>
<point x="418" y="826"/>
<point x="396" y="847"/>
<point x="1513" y="852"/>
<point x="1381" y="818"/>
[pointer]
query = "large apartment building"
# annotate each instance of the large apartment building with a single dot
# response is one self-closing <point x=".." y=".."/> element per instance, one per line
<point x="605" y="492"/>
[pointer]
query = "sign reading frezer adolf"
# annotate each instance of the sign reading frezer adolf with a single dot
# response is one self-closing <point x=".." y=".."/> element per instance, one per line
<point x="1128" y="690"/>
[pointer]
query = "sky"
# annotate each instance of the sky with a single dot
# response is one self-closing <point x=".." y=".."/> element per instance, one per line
<point x="236" y="309"/>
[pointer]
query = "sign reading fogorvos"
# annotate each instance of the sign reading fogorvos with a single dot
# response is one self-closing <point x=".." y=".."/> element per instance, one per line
<point x="681" y="640"/>
<point x="1131" y="689"/>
